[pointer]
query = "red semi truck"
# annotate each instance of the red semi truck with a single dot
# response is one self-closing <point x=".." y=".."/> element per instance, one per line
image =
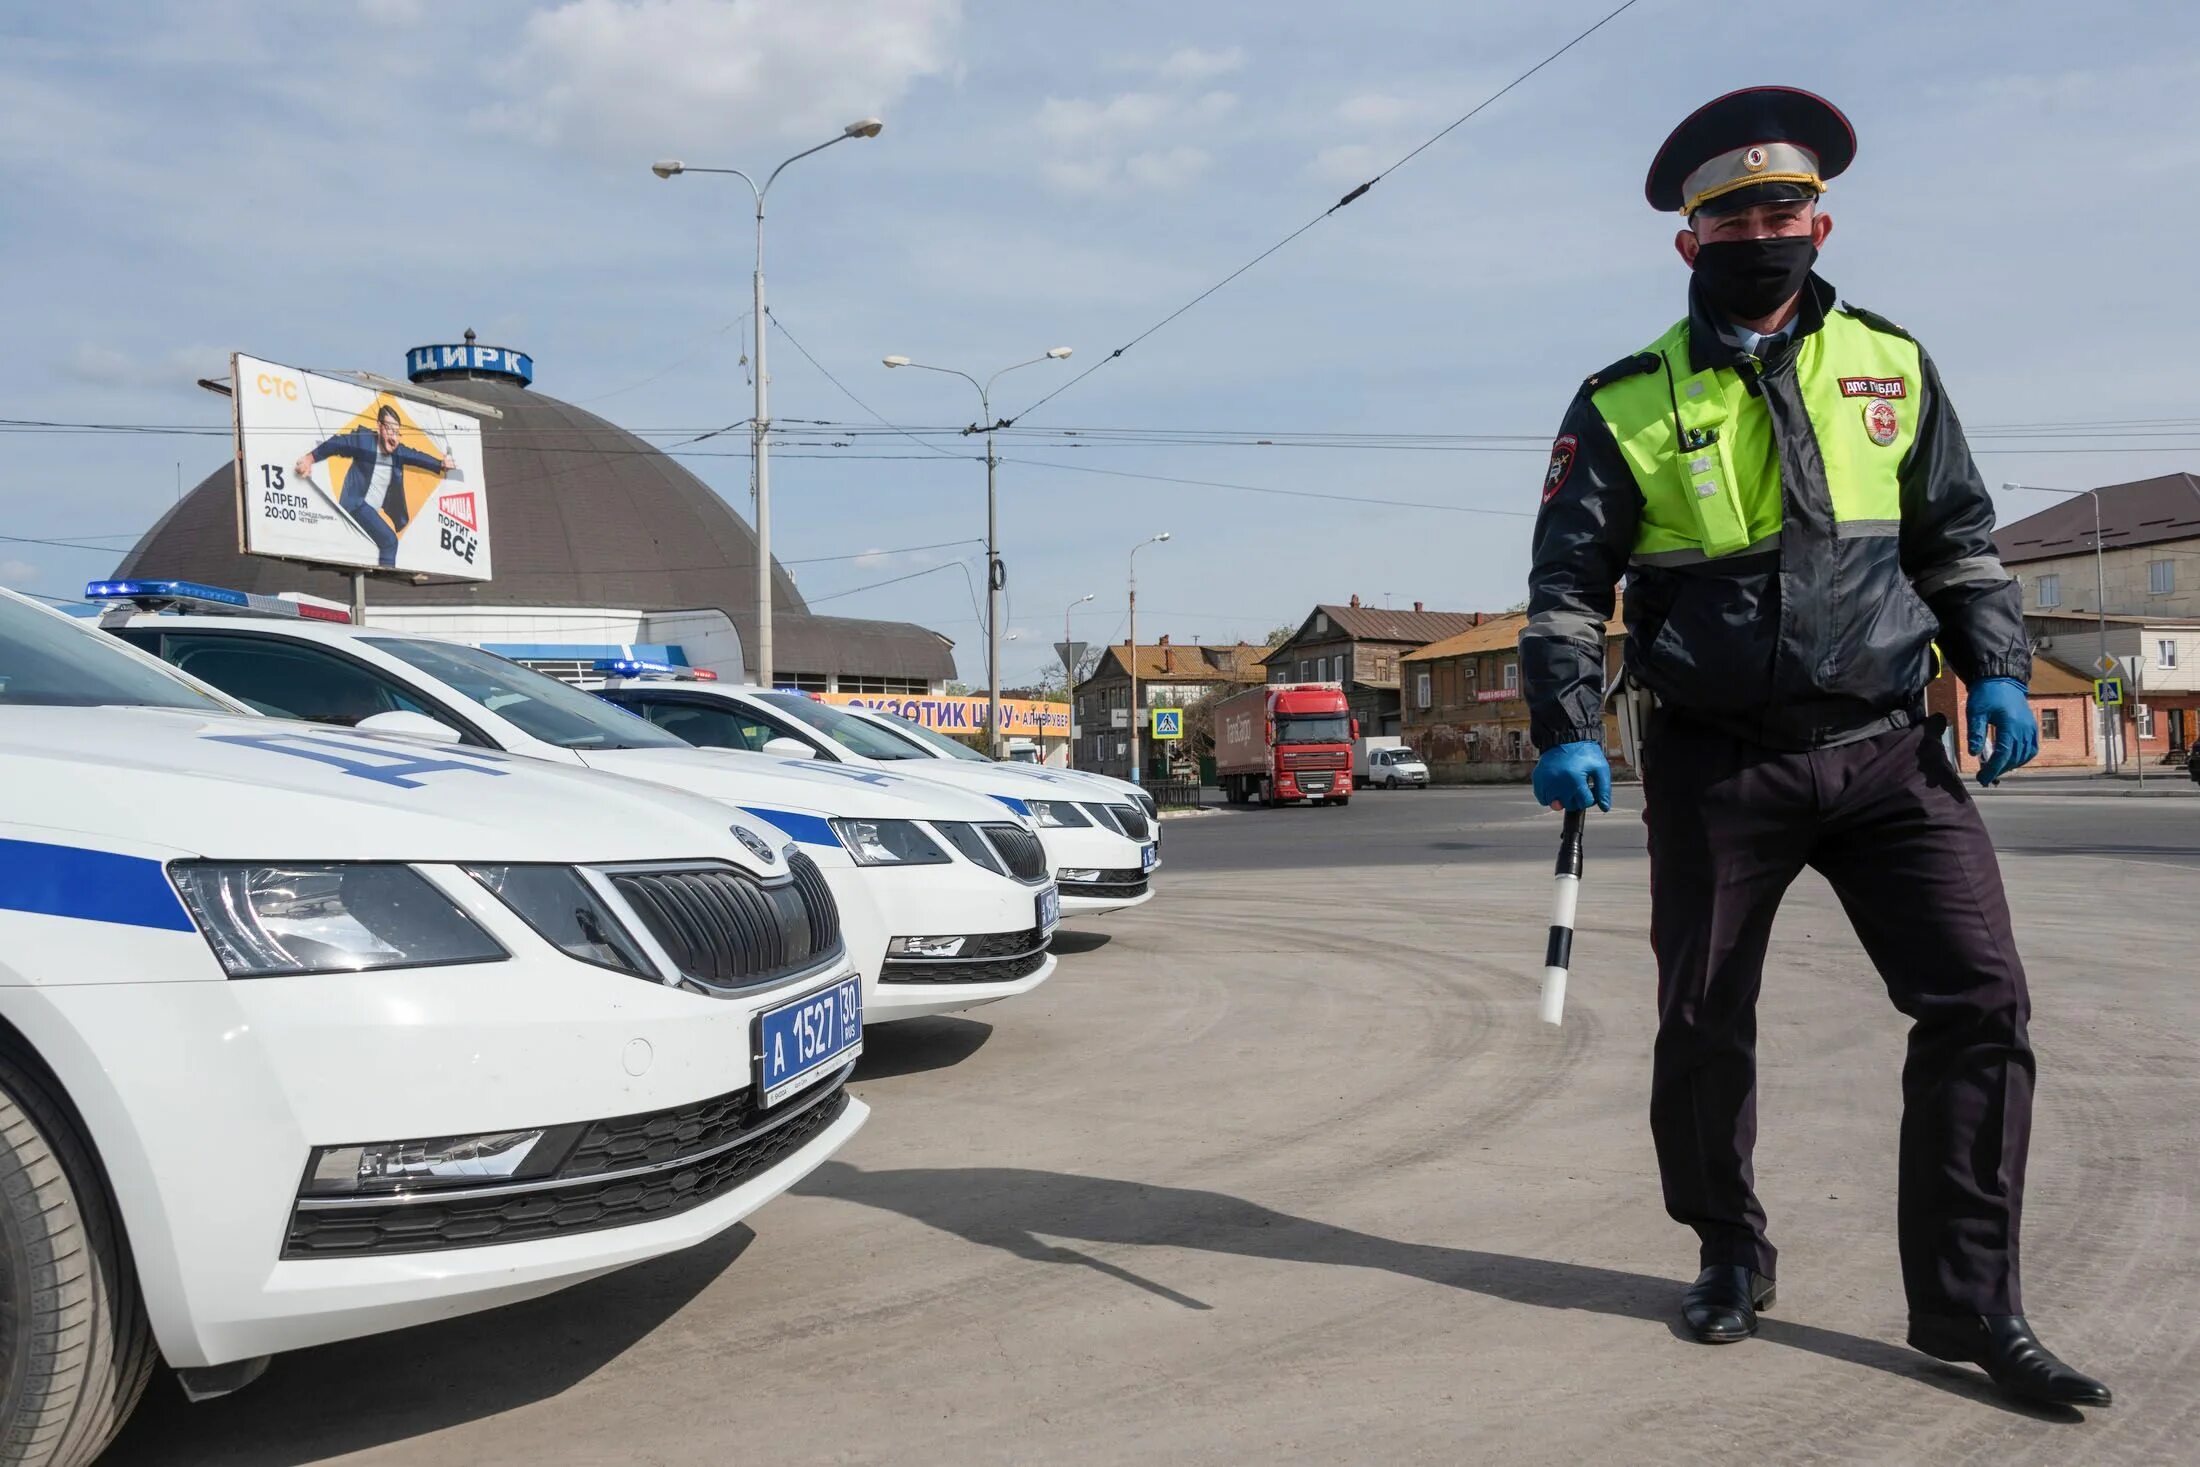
<point x="1285" y="742"/>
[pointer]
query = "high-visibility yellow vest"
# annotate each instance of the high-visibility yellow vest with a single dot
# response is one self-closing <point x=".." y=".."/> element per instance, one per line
<point x="1701" y="447"/>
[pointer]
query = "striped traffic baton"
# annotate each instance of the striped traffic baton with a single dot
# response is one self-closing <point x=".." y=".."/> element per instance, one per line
<point x="1558" y="952"/>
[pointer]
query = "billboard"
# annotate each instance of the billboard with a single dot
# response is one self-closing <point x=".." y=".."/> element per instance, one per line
<point x="950" y="714"/>
<point x="333" y="472"/>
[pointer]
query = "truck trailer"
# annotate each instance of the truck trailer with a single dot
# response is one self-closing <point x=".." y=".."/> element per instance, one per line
<point x="1285" y="742"/>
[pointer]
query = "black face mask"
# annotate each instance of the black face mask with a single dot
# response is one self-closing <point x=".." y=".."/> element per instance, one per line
<point x="1749" y="279"/>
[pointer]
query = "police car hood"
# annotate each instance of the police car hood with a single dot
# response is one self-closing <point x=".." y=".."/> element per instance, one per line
<point x="763" y="783"/>
<point x="1114" y="791"/>
<point x="177" y="782"/>
<point x="1017" y="782"/>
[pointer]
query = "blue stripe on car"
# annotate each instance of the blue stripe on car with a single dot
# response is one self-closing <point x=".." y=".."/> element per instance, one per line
<point x="1017" y="805"/>
<point x="94" y="886"/>
<point x="810" y="830"/>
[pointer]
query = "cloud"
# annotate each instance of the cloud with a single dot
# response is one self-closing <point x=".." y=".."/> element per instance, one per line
<point x="1191" y="64"/>
<point x="393" y="12"/>
<point x="1380" y="109"/>
<point x="1129" y="139"/>
<point x="15" y="572"/>
<point x="1346" y="163"/>
<point x="637" y="76"/>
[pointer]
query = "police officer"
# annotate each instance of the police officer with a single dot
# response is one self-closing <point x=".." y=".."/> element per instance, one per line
<point x="1785" y="486"/>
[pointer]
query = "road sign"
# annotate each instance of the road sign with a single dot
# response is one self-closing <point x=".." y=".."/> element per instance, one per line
<point x="2109" y="692"/>
<point x="2105" y="665"/>
<point x="1071" y="653"/>
<point x="1168" y="723"/>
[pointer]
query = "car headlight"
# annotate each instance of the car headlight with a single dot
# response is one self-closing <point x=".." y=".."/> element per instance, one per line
<point x="566" y="912"/>
<point x="265" y="921"/>
<point x="889" y="843"/>
<point x="1060" y="813"/>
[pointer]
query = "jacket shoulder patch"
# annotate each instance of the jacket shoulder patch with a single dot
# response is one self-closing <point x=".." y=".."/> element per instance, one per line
<point x="1874" y="320"/>
<point x="1621" y="370"/>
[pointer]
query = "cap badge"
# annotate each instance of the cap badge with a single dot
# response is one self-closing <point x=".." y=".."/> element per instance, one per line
<point x="1881" y="421"/>
<point x="1754" y="160"/>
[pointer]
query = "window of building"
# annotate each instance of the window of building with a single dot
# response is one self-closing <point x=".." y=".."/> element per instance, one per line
<point x="2050" y="591"/>
<point x="2165" y="652"/>
<point x="2145" y="714"/>
<point x="2161" y="577"/>
<point x="866" y="683"/>
<point x="1306" y="674"/>
<point x="1512" y="677"/>
<point x="804" y="682"/>
<point x="1421" y="691"/>
<point x="2050" y="723"/>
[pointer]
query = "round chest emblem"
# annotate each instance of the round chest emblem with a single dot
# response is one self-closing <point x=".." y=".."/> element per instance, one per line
<point x="1754" y="159"/>
<point x="1881" y="422"/>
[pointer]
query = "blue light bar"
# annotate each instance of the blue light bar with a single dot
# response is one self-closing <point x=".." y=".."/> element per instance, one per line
<point x="641" y="667"/>
<point x="163" y="591"/>
<point x="192" y="596"/>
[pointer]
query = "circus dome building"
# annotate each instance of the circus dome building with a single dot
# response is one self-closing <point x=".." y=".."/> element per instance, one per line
<point x="605" y="546"/>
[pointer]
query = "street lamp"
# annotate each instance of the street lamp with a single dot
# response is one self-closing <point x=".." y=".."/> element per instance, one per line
<point x="1138" y="774"/>
<point x="2111" y="735"/>
<point x="760" y="418"/>
<point x="995" y="579"/>
<point x="1069" y="674"/>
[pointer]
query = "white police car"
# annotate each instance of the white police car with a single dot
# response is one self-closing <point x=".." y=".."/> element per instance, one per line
<point x="1102" y="852"/>
<point x="940" y="746"/>
<point x="309" y="1034"/>
<point x="945" y="895"/>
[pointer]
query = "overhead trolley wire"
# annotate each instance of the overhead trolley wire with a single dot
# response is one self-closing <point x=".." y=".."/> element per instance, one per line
<point x="1350" y="197"/>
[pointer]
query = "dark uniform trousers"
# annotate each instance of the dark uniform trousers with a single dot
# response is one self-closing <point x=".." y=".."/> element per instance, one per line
<point x="1887" y="821"/>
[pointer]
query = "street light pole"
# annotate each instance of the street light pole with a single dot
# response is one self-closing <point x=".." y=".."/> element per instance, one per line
<point x="760" y="414"/>
<point x="1069" y="674"/>
<point x="2105" y="721"/>
<point x="1138" y="773"/>
<point x="995" y="578"/>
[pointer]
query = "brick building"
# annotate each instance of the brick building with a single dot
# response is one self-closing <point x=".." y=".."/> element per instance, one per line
<point x="2062" y="700"/>
<point x="1169" y="676"/>
<point x="1462" y="709"/>
<point x="1360" y="647"/>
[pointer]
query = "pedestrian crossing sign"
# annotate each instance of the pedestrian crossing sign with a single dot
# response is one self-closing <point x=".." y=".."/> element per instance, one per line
<point x="2108" y="692"/>
<point x="1168" y="723"/>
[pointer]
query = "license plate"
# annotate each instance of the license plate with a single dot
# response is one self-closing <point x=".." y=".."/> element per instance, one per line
<point x="1049" y="903"/>
<point x="1148" y="857"/>
<point x="801" y="1042"/>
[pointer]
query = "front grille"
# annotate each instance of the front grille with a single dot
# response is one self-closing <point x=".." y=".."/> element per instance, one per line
<point x="1004" y="971"/>
<point x="1026" y="857"/>
<point x="1314" y="761"/>
<point x="1107" y="817"/>
<point x="726" y="929"/>
<point x="1313" y="783"/>
<point x="571" y="1203"/>
<point x="1132" y="819"/>
<point x="1129" y="882"/>
<point x="971" y="842"/>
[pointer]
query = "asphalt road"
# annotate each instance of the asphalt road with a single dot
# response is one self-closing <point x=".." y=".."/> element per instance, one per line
<point x="1282" y="1168"/>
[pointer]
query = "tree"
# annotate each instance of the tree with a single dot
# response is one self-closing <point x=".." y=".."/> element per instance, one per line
<point x="1277" y="636"/>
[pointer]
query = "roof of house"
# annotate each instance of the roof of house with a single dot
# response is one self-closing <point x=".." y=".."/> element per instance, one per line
<point x="1383" y="624"/>
<point x="2052" y="679"/>
<point x="1498" y="634"/>
<point x="2114" y="618"/>
<point x="2142" y="512"/>
<point x="1180" y="662"/>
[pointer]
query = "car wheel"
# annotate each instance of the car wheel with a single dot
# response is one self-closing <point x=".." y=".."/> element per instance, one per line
<point x="75" y="1348"/>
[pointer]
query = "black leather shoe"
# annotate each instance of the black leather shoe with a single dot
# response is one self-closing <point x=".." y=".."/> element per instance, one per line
<point x="2013" y="1356"/>
<point x="1721" y="1306"/>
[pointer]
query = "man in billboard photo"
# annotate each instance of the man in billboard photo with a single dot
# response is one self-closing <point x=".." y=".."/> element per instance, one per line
<point x="374" y="486"/>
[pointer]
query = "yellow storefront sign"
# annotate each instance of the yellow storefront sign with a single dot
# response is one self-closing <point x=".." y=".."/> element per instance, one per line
<point x="1020" y="717"/>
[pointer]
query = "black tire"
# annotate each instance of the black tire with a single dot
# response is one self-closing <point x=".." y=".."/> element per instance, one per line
<point x="75" y="1348"/>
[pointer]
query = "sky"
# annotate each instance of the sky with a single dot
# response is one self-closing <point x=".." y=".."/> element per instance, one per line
<point x="329" y="184"/>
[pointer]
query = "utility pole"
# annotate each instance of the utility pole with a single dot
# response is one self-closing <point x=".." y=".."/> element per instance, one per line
<point x="1138" y="774"/>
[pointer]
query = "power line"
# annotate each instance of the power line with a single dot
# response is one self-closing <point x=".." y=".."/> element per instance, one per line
<point x="773" y="317"/>
<point x="1348" y="198"/>
<point x="1270" y="489"/>
<point x="866" y="554"/>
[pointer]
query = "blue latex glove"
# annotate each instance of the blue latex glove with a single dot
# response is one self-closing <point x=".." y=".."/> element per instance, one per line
<point x="1999" y="704"/>
<point x="1574" y="777"/>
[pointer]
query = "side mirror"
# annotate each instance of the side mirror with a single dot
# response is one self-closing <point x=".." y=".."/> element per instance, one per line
<point x="787" y="748"/>
<point x="1355" y="728"/>
<point x="410" y="726"/>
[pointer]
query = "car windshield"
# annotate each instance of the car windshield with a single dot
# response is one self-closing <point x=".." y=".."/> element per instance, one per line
<point x="856" y="735"/>
<point x="932" y="738"/>
<point x="540" y="707"/>
<point x="46" y="662"/>
<point x="1313" y="728"/>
